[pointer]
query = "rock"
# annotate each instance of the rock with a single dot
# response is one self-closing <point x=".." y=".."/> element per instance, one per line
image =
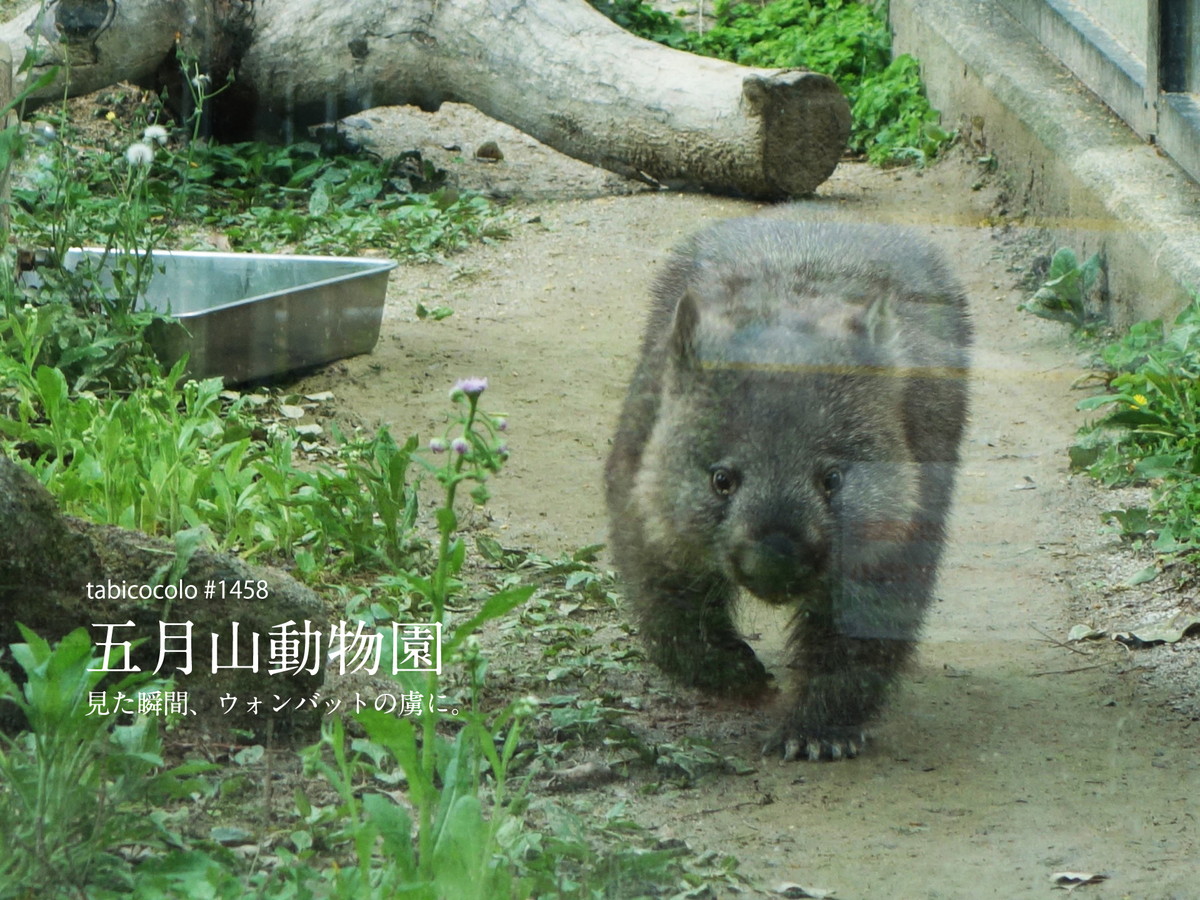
<point x="489" y="151"/>
<point x="59" y="573"/>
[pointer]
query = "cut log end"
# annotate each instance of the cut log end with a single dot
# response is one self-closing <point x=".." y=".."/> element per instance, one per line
<point x="804" y="122"/>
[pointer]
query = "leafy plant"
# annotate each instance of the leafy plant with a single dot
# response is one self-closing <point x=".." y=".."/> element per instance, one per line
<point x="92" y="349"/>
<point x="128" y="192"/>
<point x="84" y="405"/>
<point x="1150" y="432"/>
<point x="646" y="21"/>
<point x="577" y="851"/>
<point x="69" y="780"/>
<point x="12" y="139"/>
<point x="65" y="320"/>
<point x="106" y="198"/>
<point x="168" y="457"/>
<point x="458" y="849"/>
<point x="893" y="120"/>
<point x="262" y="197"/>
<point x="1063" y="295"/>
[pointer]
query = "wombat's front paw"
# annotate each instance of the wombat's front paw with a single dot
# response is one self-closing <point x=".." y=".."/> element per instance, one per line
<point x="730" y="669"/>
<point x="816" y="744"/>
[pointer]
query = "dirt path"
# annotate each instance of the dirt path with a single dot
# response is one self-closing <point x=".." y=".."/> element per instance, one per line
<point x="1005" y="757"/>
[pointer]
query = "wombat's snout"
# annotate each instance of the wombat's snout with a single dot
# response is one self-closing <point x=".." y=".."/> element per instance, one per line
<point x="777" y="566"/>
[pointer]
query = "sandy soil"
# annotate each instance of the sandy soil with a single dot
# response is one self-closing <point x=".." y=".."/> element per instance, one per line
<point x="1007" y="756"/>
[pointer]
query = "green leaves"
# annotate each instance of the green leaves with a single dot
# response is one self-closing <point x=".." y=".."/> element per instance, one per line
<point x="164" y="459"/>
<point x="333" y="203"/>
<point x="1150" y="430"/>
<point x="263" y="197"/>
<point x="1063" y="295"/>
<point x="70" y="779"/>
<point x="893" y="120"/>
<point x="495" y="607"/>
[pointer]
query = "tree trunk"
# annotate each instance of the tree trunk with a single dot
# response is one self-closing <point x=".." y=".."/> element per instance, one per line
<point x="556" y="69"/>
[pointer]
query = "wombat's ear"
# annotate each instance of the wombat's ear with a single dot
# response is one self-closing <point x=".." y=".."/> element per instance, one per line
<point x="683" y="330"/>
<point x="878" y="322"/>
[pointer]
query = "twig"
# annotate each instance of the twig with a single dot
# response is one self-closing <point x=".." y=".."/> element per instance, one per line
<point x="1059" y="643"/>
<point x="1066" y="671"/>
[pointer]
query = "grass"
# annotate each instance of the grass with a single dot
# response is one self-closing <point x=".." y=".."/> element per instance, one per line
<point x="170" y="456"/>
<point x="76" y="785"/>
<point x="260" y="197"/>
<point x="463" y="829"/>
<point x="1147" y="433"/>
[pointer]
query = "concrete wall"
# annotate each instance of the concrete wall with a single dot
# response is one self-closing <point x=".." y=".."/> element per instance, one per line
<point x="1126" y="21"/>
<point x="1076" y="168"/>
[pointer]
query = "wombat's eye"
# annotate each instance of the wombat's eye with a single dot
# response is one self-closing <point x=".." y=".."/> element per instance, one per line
<point x="832" y="481"/>
<point x="724" y="481"/>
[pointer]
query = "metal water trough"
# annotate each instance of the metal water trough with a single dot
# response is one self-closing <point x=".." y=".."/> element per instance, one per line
<point x="247" y="316"/>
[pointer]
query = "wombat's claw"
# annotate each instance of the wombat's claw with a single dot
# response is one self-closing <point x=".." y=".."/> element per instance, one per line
<point x="815" y="749"/>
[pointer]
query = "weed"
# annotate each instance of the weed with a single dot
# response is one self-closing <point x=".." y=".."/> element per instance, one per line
<point x="580" y="852"/>
<point x="1150" y="433"/>
<point x="12" y="140"/>
<point x="70" y="779"/>
<point x="170" y="457"/>
<point x="93" y="336"/>
<point x="260" y="196"/>
<point x="128" y="192"/>
<point x="458" y="849"/>
<point x="645" y="21"/>
<point x="85" y="407"/>
<point x="97" y="344"/>
<point x="1064" y="294"/>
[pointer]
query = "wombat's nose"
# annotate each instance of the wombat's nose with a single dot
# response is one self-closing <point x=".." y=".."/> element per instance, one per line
<point x="775" y="566"/>
<point x="777" y="547"/>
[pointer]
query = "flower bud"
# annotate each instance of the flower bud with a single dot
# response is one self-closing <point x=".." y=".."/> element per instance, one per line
<point x="472" y="387"/>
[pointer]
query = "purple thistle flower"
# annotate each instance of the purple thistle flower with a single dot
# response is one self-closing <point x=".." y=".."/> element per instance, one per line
<point x="460" y="446"/>
<point x="502" y="424"/>
<point x="472" y="387"/>
<point x="437" y="445"/>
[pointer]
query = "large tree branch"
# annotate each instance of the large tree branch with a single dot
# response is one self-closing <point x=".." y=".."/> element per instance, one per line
<point x="556" y="69"/>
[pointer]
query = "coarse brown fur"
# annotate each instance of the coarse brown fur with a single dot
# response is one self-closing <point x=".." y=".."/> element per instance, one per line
<point x="792" y="429"/>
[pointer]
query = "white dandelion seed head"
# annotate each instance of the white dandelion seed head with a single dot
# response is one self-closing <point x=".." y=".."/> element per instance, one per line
<point x="139" y="154"/>
<point x="156" y="134"/>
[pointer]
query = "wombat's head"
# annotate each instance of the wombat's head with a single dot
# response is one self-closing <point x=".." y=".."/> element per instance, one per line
<point x="779" y="454"/>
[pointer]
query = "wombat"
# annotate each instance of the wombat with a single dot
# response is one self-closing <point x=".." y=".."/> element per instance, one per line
<point x="792" y="429"/>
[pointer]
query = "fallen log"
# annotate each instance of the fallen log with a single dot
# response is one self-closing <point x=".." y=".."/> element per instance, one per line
<point x="556" y="69"/>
